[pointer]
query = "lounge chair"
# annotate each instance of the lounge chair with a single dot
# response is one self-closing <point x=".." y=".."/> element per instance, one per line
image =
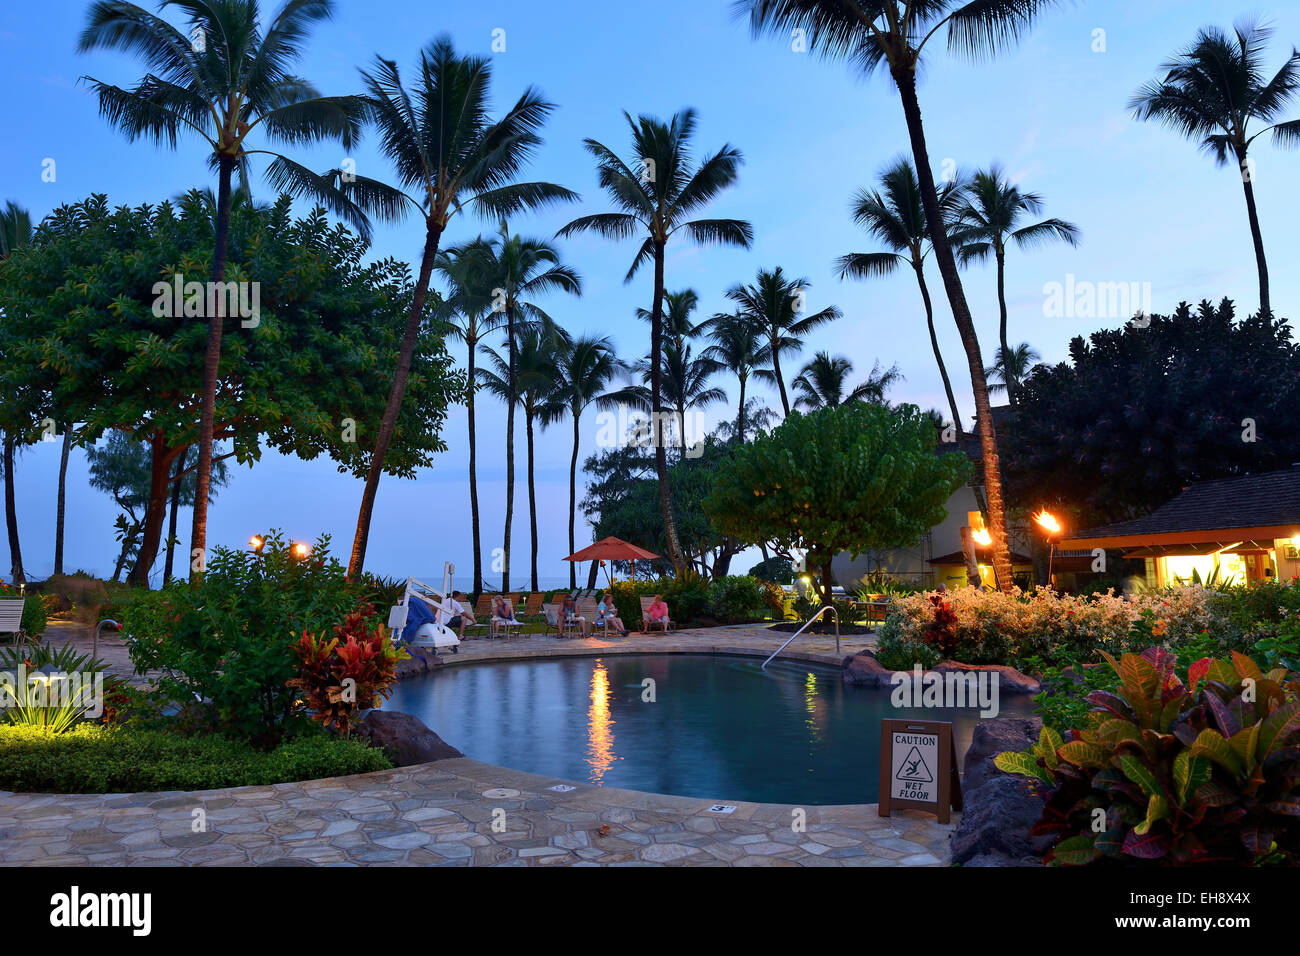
<point x="11" y="620"/>
<point x="534" y="603"/>
<point x="646" y="624"/>
<point x="501" y="625"/>
<point x="587" y="610"/>
<point x="484" y="606"/>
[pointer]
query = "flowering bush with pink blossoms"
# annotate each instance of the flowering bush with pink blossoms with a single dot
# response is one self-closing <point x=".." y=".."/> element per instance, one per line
<point x="1010" y="627"/>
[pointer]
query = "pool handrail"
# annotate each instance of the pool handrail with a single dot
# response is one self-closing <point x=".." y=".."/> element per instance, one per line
<point x="824" y="608"/>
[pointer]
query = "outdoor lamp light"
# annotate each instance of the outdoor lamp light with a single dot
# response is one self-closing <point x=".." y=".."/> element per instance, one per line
<point x="982" y="537"/>
<point x="300" y="550"/>
<point x="256" y="542"/>
<point x="1047" y="521"/>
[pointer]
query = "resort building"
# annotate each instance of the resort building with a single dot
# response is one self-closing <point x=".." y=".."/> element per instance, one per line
<point x="1226" y="531"/>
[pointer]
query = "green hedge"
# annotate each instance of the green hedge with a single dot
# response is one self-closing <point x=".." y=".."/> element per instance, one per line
<point x="93" y="758"/>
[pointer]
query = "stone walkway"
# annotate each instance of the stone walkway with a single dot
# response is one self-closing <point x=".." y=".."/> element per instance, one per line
<point x="462" y="812"/>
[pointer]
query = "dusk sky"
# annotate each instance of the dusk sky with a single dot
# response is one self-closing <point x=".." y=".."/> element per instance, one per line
<point x="1152" y="208"/>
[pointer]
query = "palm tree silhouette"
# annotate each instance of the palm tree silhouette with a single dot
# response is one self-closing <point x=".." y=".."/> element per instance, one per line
<point x="823" y="383"/>
<point x="655" y="196"/>
<point x="1212" y="91"/>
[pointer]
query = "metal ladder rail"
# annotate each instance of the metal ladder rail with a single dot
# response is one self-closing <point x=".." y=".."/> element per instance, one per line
<point x="807" y="624"/>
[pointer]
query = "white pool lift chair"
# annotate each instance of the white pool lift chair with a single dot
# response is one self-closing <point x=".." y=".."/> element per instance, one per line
<point x="430" y="634"/>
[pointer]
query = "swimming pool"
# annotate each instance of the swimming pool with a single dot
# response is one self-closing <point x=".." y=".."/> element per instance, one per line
<point x="719" y="727"/>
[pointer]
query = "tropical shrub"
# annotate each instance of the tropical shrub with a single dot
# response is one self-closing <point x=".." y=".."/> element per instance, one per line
<point x="94" y="758"/>
<point x="687" y="598"/>
<point x="50" y="687"/>
<point x="1011" y="627"/>
<point x="355" y="668"/>
<point x="902" y="654"/>
<point x="1175" y="770"/>
<point x="228" y="639"/>
<point x="737" y="598"/>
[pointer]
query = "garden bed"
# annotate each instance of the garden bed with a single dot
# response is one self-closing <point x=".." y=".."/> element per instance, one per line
<point x="846" y="630"/>
<point x="93" y="758"/>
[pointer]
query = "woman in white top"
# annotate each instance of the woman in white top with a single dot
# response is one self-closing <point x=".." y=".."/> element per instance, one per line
<point x="606" y="612"/>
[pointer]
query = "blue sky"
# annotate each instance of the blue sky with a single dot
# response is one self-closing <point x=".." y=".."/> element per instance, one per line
<point x="1151" y="207"/>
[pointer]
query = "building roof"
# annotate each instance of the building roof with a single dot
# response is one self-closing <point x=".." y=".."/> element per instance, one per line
<point x="982" y="556"/>
<point x="1224" y="510"/>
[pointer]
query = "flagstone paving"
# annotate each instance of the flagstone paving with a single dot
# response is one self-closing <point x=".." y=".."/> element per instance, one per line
<point x="462" y="812"/>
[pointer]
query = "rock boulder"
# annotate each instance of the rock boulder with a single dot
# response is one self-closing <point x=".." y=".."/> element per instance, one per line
<point x="404" y="738"/>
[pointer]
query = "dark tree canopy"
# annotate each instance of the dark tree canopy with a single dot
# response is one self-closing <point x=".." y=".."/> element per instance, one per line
<point x="1139" y="412"/>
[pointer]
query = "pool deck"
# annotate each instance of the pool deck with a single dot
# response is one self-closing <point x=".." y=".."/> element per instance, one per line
<point x="463" y="812"/>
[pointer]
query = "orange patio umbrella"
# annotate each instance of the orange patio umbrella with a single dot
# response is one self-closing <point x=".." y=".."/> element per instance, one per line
<point x="612" y="549"/>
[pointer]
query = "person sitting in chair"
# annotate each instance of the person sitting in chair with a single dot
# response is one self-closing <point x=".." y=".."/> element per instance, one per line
<point x="606" y="613"/>
<point x="570" y="611"/>
<point x="459" y="614"/>
<point x="504" y="610"/>
<point x="657" y="612"/>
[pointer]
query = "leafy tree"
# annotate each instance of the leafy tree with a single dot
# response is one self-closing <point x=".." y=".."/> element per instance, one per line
<point x="990" y="217"/>
<point x="586" y="365"/>
<point x="656" y="195"/>
<point x="774" y="304"/>
<point x="449" y="157"/>
<point x="224" y="79"/>
<point x="894" y="34"/>
<point x="1213" y="91"/>
<point x="895" y="216"/>
<point x="1138" y="413"/>
<point x="875" y="481"/>
<point x="84" y="329"/>
<point x="823" y="383"/>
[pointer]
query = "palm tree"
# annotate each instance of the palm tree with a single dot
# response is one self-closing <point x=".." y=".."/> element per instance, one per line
<point x="1012" y="367"/>
<point x="450" y="157"/>
<point x="1212" y="91"/>
<point x="530" y="379"/>
<point x="224" y="79"/>
<point x="61" y="505"/>
<point x="15" y="231"/>
<point x="823" y="383"/>
<point x="677" y="324"/>
<point x="467" y="310"/>
<point x="655" y="197"/>
<point x="738" y="344"/>
<point x="774" y="304"/>
<point x="586" y="366"/>
<point x="990" y="216"/>
<point x="895" y="216"/>
<point x="685" y="386"/>
<point x="517" y="270"/>
<point x="894" y="33"/>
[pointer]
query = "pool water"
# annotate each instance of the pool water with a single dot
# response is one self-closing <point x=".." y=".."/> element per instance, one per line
<point x="720" y="728"/>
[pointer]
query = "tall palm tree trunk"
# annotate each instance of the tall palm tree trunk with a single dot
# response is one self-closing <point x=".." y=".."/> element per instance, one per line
<point x="532" y="498"/>
<point x="160" y="474"/>
<point x="1008" y="378"/>
<point x="673" y="546"/>
<point x="60" y="510"/>
<point x="16" y="575"/>
<point x="905" y="80"/>
<point x="780" y="379"/>
<point x="473" y="474"/>
<point x="174" y="508"/>
<point x="573" y="500"/>
<point x="1258" y="239"/>
<point x="211" y="365"/>
<point x="510" y="448"/>
<point x="740" y="415"/>
<point x="934" y="344"/>
<point x="388" y="425"/>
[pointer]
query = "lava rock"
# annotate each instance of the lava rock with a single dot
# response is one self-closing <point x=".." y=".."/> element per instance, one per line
<point x="404" y="738"/>
<point x="863" y="670"/>
<point x="991" y="738"/>
<point x="995" y="822"/>
<point x="420" y="662"/>
<point x="1010" y="680"/>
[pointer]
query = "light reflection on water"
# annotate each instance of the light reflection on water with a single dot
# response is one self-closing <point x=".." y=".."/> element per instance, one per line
<point x="719" y="728"/>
